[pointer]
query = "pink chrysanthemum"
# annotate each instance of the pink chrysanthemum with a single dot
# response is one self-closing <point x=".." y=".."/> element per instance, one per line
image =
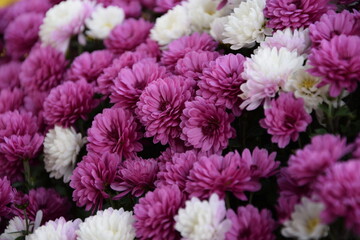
<point x="160" y="106"/>
<point x="132" y="8"/>
<point x="127" y="59"/>
<point x="218" y="174"/>
<point x="221" y="81"/>
<point x="33" y="102"/>
<point x="130" y="82"/>
<point x="285" y="119"/>
<point x="249" y="224"/>
<point x="7" y="196"/>
<point x="149" y="48"/>
<point x="165" y="5"/>
<point x="69" y="102"/>
<point x="154" y="214"/>
<point x="49" y="202"/>
<point x="115" y="131"/>
<point x="9" y="75"/>
<point x="260" y="163"/>
<point x="176" y="170"/>
<point x="136" y="176"/>
<point x="312" y="161"/>
<point x="334" y="24"/>
<point x="11" y="100"/>
<point x="22" y="34"/>
<point x="337" y="63"/>
<point x="179" y="47"/>
<point x="92" y="178"/>
<point x="43" y="69"/>
<point x="294" y="14"/>
<point x="89" y="66"/>
<point x="128" y="35"/>
<point x="340" y="192"/>
<point x="194" y="62"/>
<point x="206" y="126"/>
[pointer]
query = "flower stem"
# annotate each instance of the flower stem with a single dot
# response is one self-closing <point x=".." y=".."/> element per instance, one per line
<point x="27" y="173"/>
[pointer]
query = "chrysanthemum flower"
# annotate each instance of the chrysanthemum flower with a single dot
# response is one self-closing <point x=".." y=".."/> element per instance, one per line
<point x="89" y="66"/>
<point x="309" y="163"/>
<point x="160" y="107"/>
<point x="22" y="34"/>
<point x="294" y="14"/>
<point x="61" y="147"/>
<point x="149" y="48"/>
<point x="135" y="176"/>
<point x="337" y="63"/>
<point x="132" y="8"/>
<point x="128" y="35"/>
<point x="7" y="196"/>
<point x="248" y="223"/>
<point x="11" y="100"/>
<point x="154" y="214"/>
<point x="221" y="81"/>
<point x="285" y="119"/>
<point x="165" y="5"/>
<point x="130" y="82"/>
<point x="14" y="229"/>
<point x="203" y="219"/>
<point x="218" y="174"/>
<point x="9" y="74"/>
<point x="69" y="102"/>
<point x="115" y="131"/>
<point x="91" y="180"/>
<point x="43" y="69"/>
<point x="206" y="126"/>
<point x="110" y="224"/>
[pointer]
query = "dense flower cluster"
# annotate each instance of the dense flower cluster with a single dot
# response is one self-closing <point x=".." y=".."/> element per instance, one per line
<point x="179" y="119"/>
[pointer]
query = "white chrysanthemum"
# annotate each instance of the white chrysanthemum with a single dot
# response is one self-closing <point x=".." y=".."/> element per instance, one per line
<point x="109" y="224"/>
<point x="14" y="228"/>
<point x="202" y="13"/>
<point x="203" y="220"/>
<point x="63" y="21"/>
<point x="61" y="147"/>
<point x="246" y="25"/>
<point x="103" y="20"/>
<point x="305" y="221"/>
<point x="297" y="39"/>
<point x="59" y="229"/>
<point x="304" y="86"/>
<point x="266" y="73"/>
<point x="217" y="28"/>
<point x="172" y="25"/>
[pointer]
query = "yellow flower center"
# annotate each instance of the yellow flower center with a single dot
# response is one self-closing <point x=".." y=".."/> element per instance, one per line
<point x="308" y="82"/>
<point x="311" y="224"/>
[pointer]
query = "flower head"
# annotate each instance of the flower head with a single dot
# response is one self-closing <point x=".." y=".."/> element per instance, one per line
<point x="11" y="100"/>
<point x="115" y="131"/>
<point x="14" y="229"/>
<point x="132" y="8"/>
<point x="9" y="74"/>
<point x="7" y="195"/>
<point x="61" y="147"/>
<point x="285" y="119"/>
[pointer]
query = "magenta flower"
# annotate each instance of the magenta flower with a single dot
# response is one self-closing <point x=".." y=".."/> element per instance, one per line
<point x="206" y="126"/>
<point x="260" y="163"/>
<point x="334" y="24"/>
<point x="294" y="14"/>
<point x="132" y="8"/>
<point x="9" y="75"/>
<point x="176" y="170"/>
<point x="128" y="35"/>
<point x="135" y="176"/>
<point x="337" y="63"/>
<point x="69" y="102"/>
<point x="160" y="107"/>
<point x="339" y="190"/>
<point x="249" y="224"/>
<point x="7" y="195"/>
<point x="115" y="131"/>
<point x="221" y="82"/>
<point x="11" y="100"/>
<point x="92" y="178"/>
<point x="178" y="48"/>
<point x="43" y="69"/>
<point x="154" y="214"/>
<point x="149" y="48"/>
<point x="285" y="119"/>
<point x="127" y="59"/>
<point x="311" y="162"/>
<point x="194" y="62"/>
<point x="218" y="174"/>
<point x="22" y="34"/>
<point x="130" y="82"/>
<point x="165" y="5"/>
<point x="89" y="66"/>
